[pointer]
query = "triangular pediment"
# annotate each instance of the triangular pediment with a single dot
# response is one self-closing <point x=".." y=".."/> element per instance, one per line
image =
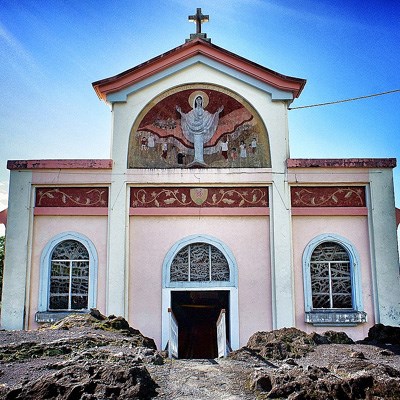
<point x="117" y="88"/>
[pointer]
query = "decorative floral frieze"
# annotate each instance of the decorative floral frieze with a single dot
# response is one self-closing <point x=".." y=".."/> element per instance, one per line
<point x="72" y="197"/>
<point x="328" y="196"/>
<point x="199" y="197"/>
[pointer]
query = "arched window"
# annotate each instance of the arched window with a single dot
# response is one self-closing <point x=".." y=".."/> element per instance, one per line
<point x="332" y="287"/>
<point x="68" y="276"/>
<point x="330" y="277"/>
<point x="199" y="262"/>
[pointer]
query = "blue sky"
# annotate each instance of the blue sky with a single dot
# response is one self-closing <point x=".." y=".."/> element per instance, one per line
<point x="51" y="52"/>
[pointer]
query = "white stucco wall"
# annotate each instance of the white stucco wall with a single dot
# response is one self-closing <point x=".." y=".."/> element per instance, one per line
<point x="18" y="251"/>
<point x="384" y="254"/>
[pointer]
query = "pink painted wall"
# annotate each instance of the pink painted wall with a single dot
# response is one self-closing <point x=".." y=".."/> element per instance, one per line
<point x="152" y="237"/>
<point x="47" y="227"/>
<point x="355" y="230"/>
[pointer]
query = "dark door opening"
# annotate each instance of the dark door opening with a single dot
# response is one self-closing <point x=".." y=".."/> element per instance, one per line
<point x="197" y="313"/>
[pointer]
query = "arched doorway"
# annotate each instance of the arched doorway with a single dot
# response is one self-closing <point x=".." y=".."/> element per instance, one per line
<point x="200" y="280"/>
<point x="196" y="313"/>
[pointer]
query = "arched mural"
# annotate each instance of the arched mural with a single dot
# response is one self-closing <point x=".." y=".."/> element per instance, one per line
<point x="198" y="125"/>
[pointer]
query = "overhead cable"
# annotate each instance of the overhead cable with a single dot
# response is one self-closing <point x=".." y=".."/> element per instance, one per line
<point x="345" y="100"/>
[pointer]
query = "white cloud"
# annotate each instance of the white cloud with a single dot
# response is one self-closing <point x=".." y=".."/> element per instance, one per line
<point x="15" y="47"/>
<point x="318" y="15"/>
<point x="18" y="57"/>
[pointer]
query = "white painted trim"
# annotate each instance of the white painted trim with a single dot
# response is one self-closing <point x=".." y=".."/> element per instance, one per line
<point x="355" y="268"/>
<point x="18" y="251"/>
<point x="233" y="312"/>
<point x="177" y="247"/>
<point x="127" y="254"/>
<point x="276" y="94"/>
<point x="385" y="261"/>
<point x="374" y="279"/>
<point x="282" y="279"/>
<point x="209" y="286"/>
<point x="117" y="239"/>
<point x="45" y="268"/>
<point x="28" y="304"/>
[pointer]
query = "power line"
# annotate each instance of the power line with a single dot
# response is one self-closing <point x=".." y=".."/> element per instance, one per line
<point x="345" y="100"/>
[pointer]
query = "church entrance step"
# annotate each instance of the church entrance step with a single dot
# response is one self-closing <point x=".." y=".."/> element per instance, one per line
<point x="202" y="379"/>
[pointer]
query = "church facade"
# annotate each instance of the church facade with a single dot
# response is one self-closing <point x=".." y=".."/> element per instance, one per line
<point x="201" y="209"/>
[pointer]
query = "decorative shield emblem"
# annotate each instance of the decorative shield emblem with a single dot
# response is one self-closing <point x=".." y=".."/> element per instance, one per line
<point x="199" y="195"/>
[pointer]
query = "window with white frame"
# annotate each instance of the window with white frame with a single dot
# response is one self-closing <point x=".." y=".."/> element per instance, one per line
<point x="330" y="277"/>
<point x="199" y="262"/>
<point x="332" y="282"/>
<point x="69" y="276"/>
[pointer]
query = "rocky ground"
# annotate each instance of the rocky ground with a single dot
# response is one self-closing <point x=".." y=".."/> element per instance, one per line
<point x="94" y="357"/>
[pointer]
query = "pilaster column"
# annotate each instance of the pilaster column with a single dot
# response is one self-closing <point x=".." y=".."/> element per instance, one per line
<point x="281" y="254"/>
<point x="384" y="254"/>
<point x="117" y="254"/>
<point x="17" y="258"/>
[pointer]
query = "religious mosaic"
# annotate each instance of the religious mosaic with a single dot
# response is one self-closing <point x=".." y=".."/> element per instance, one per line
<point x="72" y="197"/>
<point x="198" y="126"/>
<point x="328" y="196"/>
<point x="199" y="197"/>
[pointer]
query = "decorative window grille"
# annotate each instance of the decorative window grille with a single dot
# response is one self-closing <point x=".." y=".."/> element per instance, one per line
<point x="69" y="276"/>
<point x="199" y="262"/>
<point x="331" y="283"/>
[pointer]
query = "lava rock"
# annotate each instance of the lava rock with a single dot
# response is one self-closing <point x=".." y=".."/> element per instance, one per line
<point x="93" y="380"/>
<point x="381" y="334"/>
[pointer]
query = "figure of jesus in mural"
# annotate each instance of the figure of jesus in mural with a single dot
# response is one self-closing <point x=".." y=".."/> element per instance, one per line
<point x="198" y="125"/>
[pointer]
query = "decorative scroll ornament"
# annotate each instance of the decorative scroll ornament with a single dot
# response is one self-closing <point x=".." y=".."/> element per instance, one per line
<point x="326" y="196"/>
<point x="71" y="197"/>
<point x="199" y="197"/>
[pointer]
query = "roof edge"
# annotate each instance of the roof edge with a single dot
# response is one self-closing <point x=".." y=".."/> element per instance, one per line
<point x="176" y="55"/>
<point x="60" y="164"/>
<point x="341" y="163"/>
